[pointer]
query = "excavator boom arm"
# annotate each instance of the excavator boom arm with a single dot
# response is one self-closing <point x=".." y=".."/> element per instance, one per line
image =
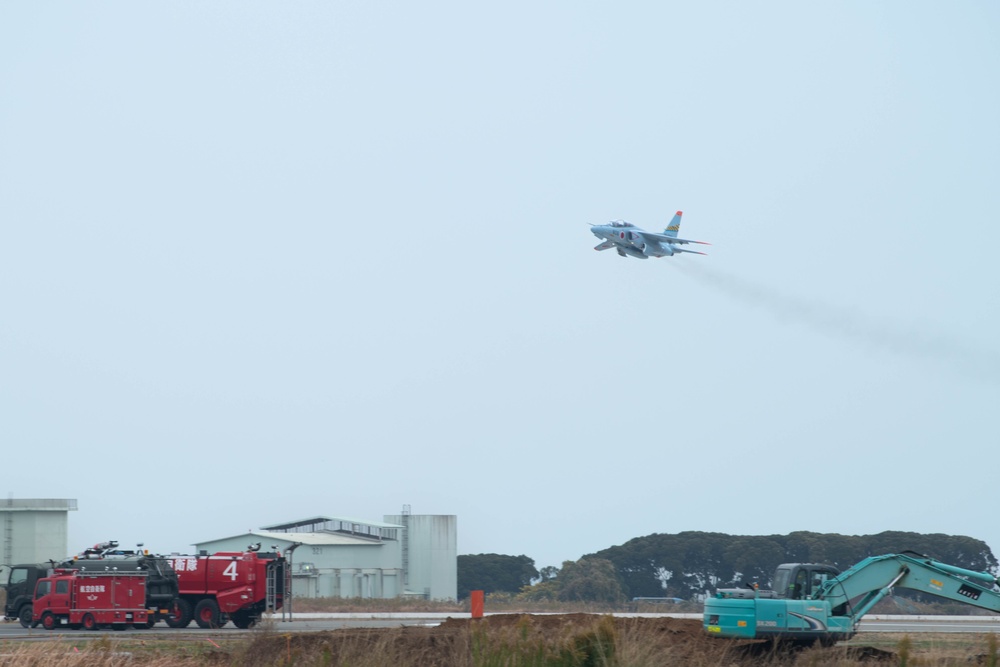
<point x="870" y="580"/>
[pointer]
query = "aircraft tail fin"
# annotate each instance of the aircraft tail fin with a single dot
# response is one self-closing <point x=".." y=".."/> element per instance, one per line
<point x="674" y="226"/>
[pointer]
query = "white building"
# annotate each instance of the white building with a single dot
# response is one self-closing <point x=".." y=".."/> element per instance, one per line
<point x="342" y="557"/>
<point x="35" y="529"/>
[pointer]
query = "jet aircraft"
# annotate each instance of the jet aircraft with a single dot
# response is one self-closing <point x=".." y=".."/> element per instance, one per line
<point x="631" y="241"/>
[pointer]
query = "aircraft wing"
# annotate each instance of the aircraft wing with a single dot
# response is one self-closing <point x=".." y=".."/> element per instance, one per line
<point x="607" y="245"/>
<point x="668" y="239"/>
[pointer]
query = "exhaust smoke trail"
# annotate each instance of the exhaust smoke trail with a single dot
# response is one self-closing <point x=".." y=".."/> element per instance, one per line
<point x="850" y="325"/>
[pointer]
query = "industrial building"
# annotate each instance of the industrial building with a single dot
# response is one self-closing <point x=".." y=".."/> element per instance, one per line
<point x="403" y="555"/>
<point x="35" y="529"/>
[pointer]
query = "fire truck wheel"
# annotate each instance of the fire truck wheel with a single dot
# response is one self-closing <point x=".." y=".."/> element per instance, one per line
<point x="24" y="616"/>
<point x="89" y="622"/>
<point x="48" y="621"/>
<point x="180" y="614"/>
<point x="206" y="614"/>
<point x="243" y="620"/>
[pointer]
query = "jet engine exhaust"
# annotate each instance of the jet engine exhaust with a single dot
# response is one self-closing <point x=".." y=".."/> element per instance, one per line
<point x="851" y="326"/>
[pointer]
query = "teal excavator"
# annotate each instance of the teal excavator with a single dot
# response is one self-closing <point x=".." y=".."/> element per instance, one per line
<point x="811" y="602"/>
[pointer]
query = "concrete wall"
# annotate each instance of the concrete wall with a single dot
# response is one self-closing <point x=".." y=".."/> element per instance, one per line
<point x="349" y="583"/>
<point x="433" y="558"/>
<point x="35" y="530"/>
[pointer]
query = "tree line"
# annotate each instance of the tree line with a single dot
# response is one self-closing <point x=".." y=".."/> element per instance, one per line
<point x="691" y="564"/>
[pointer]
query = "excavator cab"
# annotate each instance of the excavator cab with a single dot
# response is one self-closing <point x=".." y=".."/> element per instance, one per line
<point x="801" y="581"/>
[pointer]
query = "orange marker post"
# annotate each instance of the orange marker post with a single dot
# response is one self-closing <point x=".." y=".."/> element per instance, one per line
<point x="477" y="604"/>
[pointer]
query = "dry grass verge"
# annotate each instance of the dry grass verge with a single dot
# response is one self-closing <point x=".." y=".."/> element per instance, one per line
<point x="511" y="640"/>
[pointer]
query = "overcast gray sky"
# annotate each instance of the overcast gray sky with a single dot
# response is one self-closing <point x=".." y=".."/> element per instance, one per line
<point x="263" y="261"/>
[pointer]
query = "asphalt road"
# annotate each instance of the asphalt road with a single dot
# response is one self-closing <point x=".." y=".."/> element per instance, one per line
<point x="928" y="624"/>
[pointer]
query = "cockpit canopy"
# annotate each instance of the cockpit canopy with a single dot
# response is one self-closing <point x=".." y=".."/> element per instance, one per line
<point x="620" y="223"/>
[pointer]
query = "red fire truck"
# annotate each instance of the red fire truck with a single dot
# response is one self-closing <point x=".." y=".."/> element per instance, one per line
<point x="90" y="600"/>
<point x="229" y="585"/>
